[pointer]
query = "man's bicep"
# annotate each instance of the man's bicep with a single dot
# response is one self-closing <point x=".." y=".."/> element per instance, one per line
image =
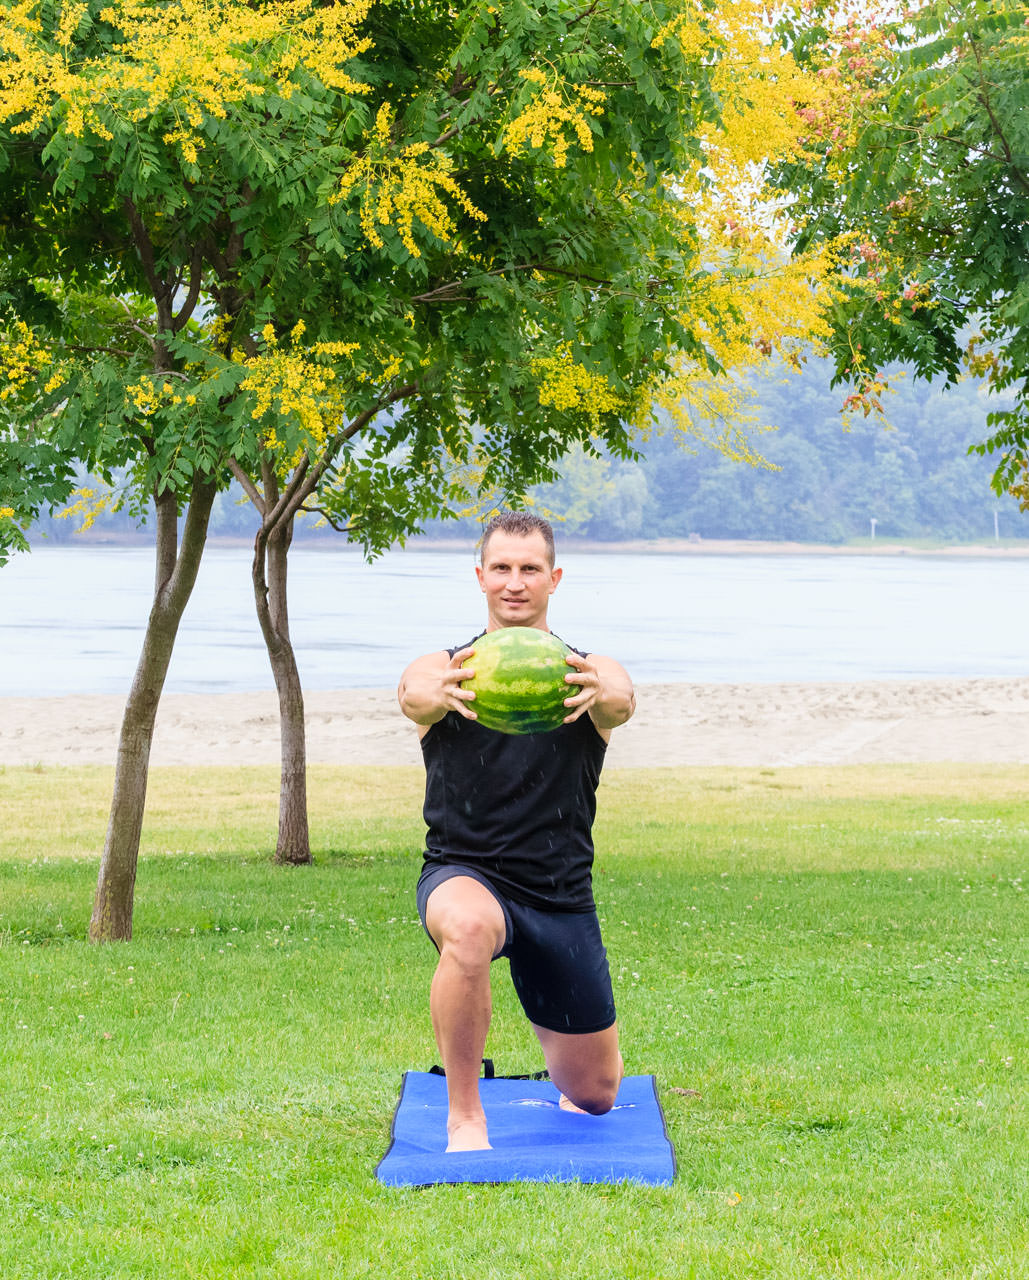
<point x="427" y="664"/>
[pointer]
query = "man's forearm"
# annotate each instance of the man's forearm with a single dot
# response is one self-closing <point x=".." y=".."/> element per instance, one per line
<point x="419" y="699"/>
<point x="615" y="703"/>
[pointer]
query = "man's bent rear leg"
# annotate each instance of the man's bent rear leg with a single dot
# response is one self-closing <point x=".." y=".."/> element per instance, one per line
<point x="467" y="925"/>
<point x="587" y="1068"/>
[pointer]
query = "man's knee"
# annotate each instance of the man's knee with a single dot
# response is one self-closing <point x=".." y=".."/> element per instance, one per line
<point x="588" y="1076"/>
<point x="468" y="940"/>
<point x="597" y="1096"/>
<point x="596" y="1104"/>
<point x="465" y="921"/>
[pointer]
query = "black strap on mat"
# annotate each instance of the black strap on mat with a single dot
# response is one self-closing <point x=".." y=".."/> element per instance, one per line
<point x="489" y="1073"/>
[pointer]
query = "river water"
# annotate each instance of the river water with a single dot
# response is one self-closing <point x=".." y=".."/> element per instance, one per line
<point x="72" y="618"/>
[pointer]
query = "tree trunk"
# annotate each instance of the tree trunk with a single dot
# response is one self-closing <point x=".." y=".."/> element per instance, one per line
<point x="271" y="549"/>
<point x="175" y="577"/>
<point x="271" y="552"/>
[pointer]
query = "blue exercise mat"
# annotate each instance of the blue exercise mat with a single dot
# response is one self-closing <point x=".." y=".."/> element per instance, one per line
<point x="533" y="1139"/>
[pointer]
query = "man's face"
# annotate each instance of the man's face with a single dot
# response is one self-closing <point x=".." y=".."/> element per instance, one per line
<point x="517" y="580"/>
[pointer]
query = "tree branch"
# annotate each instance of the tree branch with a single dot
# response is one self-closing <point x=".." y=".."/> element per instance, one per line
<point x="230" y="298"/>
<point x="450" y="292"/>
<point x="328" y="518"/>
<point x="306" y="478"/>
<point x="146" y="249"/>
<point x="105" y="351"/>
<point x="196" y="280"/>
<point x="247" y="485"/>
<point x="444" y="137"/>
<point x="586" y="13"/>
<point x="984" y="98"/>
<point x="161" y="289"/>
<point x="281" y="511"/>
<point x="270" y="480"/>
<point x="134" y="324"/>
<point x="963" y="144"/>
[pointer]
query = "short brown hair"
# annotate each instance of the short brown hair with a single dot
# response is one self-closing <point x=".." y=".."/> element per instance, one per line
<point x="523" y="524"/>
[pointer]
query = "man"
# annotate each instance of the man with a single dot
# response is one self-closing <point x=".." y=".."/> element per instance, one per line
<point x="509" y="850"/>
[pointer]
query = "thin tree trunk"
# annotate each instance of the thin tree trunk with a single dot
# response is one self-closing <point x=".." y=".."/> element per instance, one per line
<point x="175" y="576"/>
<point x="271" y="552"/>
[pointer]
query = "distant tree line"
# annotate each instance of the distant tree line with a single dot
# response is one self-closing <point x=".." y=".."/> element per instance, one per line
<point x="914" y="477"/>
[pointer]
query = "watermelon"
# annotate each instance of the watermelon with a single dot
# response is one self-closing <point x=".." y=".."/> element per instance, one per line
<point x="519" y="680"/>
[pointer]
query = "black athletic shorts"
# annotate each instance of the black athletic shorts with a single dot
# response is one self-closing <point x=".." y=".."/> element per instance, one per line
<point x="558" y="961"/>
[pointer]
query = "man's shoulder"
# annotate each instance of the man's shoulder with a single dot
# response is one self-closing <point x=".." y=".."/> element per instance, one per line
<point x="467" y="644"/>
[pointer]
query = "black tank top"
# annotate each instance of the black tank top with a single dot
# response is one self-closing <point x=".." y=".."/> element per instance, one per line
<point x="519" y="809"/>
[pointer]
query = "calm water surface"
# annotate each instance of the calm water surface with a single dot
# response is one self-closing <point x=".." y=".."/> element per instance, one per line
<point x="71" y="618"/>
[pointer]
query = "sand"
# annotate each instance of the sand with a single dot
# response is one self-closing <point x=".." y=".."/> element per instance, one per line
<point x="977" y="721"/>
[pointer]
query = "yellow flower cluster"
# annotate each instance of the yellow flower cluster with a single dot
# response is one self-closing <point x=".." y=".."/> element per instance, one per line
<point x="70" y="21"/>
<point x="766" y="101"/>
<point x="293" y="387"/>
<point x="27" y="73"/>
<point x="144" y="395"/>
<point x="399" y="185"/>
<point x="220" y="330"/>
<point x="91" y="502"/>
<point x="291" y="383"/>
<point x="717" y="411"/>
<point x="748" y="300"/>
<point x="6" y="513"/>
<point x="982" y="361"/>
<point x="192" y="57"/>
<point x="187" y="141"/>
<point x="571" y="387"/>
<point x="685" y="31"/>
<point x="556" y="110"/>
<point x="763" y="305"/>
<point x="23" y="359"/>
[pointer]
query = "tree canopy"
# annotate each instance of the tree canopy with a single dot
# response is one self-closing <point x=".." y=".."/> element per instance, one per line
<point x="237" y="234"/>
<point x="916" y="170"/>
<point x="380" y="255"/>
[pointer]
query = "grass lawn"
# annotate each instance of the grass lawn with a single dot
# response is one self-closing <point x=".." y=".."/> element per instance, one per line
<point x="827" y="970"/>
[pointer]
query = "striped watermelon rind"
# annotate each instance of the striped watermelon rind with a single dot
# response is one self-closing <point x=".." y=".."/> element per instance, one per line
<point x="519" y="680"/>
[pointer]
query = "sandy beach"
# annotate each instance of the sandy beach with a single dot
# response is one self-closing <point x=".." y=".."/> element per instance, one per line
<point x="780" y="725"/>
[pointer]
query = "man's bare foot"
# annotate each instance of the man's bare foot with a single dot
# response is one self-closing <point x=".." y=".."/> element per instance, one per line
<point x="468" y="1135"/>
<point x="566" y="1104"/>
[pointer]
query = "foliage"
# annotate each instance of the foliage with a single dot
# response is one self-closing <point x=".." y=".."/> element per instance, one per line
<point x="824" y="968"/>
<point x="395" y="253"/>
<point x="825" y="479"/>
<point x="916" y="169"/>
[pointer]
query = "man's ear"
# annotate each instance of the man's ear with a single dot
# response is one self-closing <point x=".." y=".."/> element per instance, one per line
<point x="555" y="578"/>
<point x="478" y="574"/>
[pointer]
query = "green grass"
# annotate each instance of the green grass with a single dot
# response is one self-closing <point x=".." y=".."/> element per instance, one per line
<point x="827" y="970"/>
